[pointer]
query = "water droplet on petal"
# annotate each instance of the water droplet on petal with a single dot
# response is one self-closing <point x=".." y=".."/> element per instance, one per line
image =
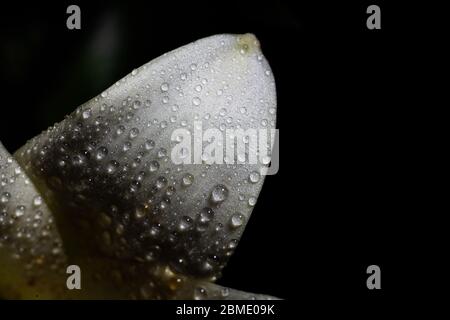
<point x="87" y="114"/>
<point x="5" y="197"/>
<point x="196" y="101"/>
<point x="112" y="167"/>
<point x="37" y="201"/>
<point x="237" y="220"/>
<point x="149" y="145"/>
<point x="101" y="153"/>
<point x="134" y="132"/>
<point x="219" y="194"/>
<point x="200" y="293"/>
<point x="254" y="177"/>
<point x="188" y="179"/>
<point x="20" y="211"/>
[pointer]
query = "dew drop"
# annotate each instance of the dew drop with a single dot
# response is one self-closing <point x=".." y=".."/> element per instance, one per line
<point x="219" y="194"/>
<point x="161" y="182"/>
<point x="163" y="124"/>
<point x="87" y="113"/>
<point x="149" y="144"/>
<point x="196" y="101"/>
<point x="162" y="153"/>
<point x="120" y="130"/>
<point x="37" y="201"/>
<point x="154" y="166"/>
<point x="237" y="220"/>
<point x="112" y="166"/>
<point x="134" y="132"/>
<point x="164" y="86"/>
<point x="254" y="177"/>
<point x="101" y="153"/>
<point x="188" y="179"/>
<point x="200" y="293"/>
<point x="5" y="197"/>
<point x="20" y="210"/>
<point x="136" y="105"/>
<point x="185" y="224"/>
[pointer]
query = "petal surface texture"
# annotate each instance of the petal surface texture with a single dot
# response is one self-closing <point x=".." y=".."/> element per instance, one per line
<point x="31" y="255"/>
<point x="125" y="178"/>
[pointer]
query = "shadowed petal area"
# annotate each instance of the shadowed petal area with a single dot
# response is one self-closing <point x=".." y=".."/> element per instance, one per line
<point x="31" y="255"/>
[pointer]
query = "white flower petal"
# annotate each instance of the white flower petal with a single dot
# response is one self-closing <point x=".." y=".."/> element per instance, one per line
<point x="31" y="255"/>
<point x="108" y="173"/>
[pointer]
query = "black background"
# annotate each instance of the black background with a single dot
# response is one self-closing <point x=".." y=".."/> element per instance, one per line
<point x="337" y="204"/>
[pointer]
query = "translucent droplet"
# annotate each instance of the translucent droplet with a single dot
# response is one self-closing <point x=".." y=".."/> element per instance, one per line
<point x="237" y="220"/>
<point x="185" y="224"/>
<point x="134" y="132"/>
<point x="196" y="101"/>
<point x="5" y="197"/>
<point x="164" y="86"/>
<point x="219" y="194"/>
<point x="254" y="177"/>
<point x="188" y="179"/>
<point x="126" y="146"/>
<point x="198" y="88"/>
<point x="120" y="130"/>
<point x="37" y="201"/>
<point x="112" y="166"/>
<point x="161" y="182"/>
<point x="136" y="105"/>
<point x="87" y="113"/>
<point x="204" y="218"/>
<point x="149" y="144"/>
<point x="162" y="153"/>
<point x="20" y="211"/>
<point x="251" y="201"/>
<point x="154" y="166"/>
<point x="101" y="153"/>
<point x="232" y="244"/>
<point x="200" y="293"/>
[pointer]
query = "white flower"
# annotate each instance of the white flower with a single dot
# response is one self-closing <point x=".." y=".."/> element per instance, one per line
<point x="102" y="189"/>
